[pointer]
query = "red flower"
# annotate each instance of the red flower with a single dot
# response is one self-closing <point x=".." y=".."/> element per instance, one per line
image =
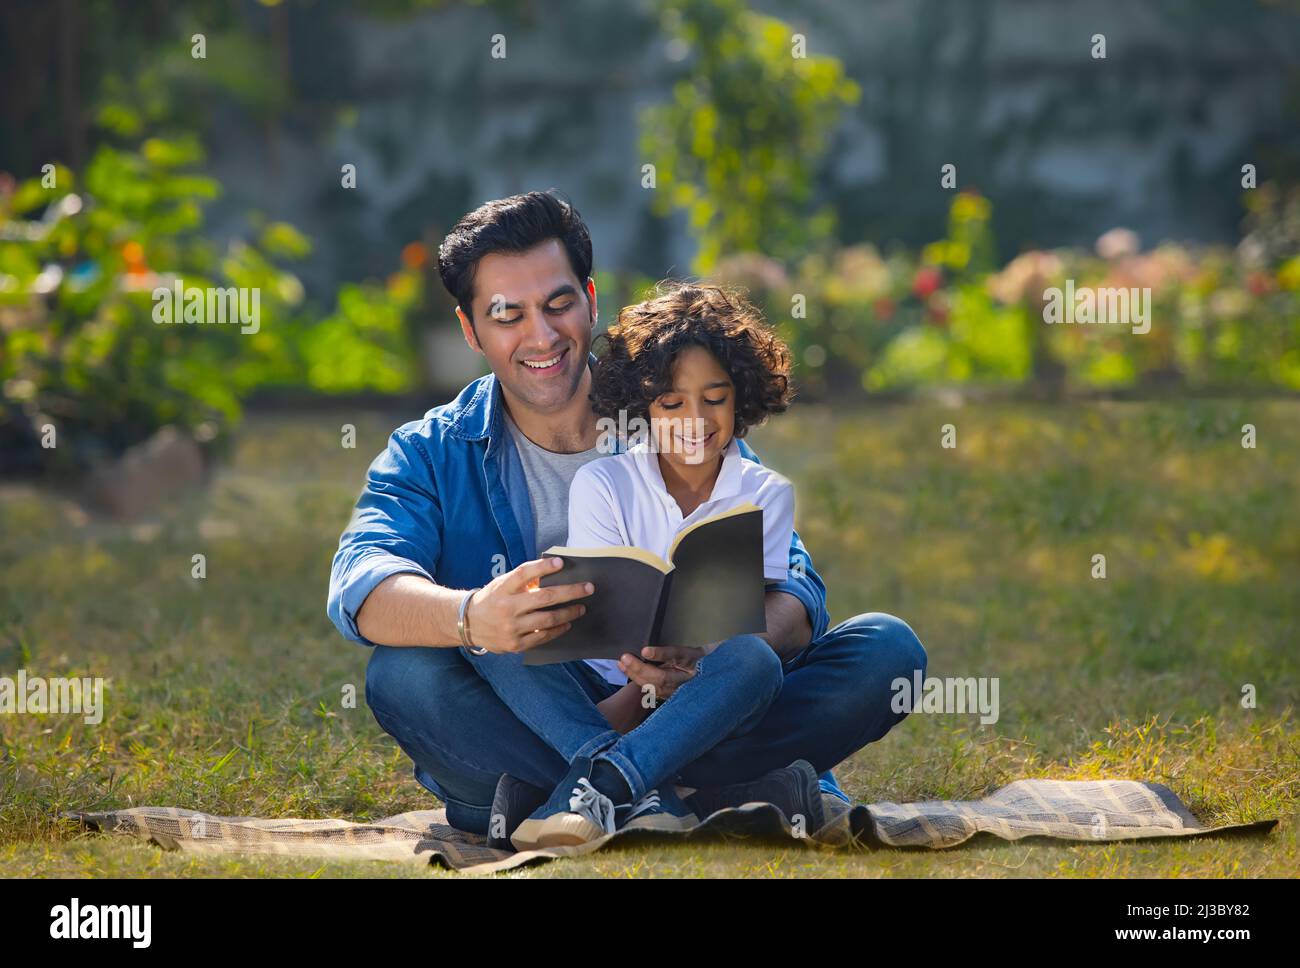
<point x="927" y="281"/>
<point x="133" y="256"/>
<point x="1259" y="283"/>
<point x="414" y="255"/>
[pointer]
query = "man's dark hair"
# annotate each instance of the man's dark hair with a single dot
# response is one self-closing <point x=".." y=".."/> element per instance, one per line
<point x="513" y="224"/>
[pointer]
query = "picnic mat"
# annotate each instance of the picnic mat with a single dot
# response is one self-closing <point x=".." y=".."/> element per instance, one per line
<point x="1088" y="810"/>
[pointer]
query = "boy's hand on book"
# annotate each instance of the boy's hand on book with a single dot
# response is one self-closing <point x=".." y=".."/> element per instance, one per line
<point x="672" y="667"/>
<point x="673" y="656"/>
<point x="510" y="614"/>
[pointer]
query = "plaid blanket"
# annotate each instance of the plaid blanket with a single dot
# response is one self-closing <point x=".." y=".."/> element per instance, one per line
<point x="1088" y="810"/>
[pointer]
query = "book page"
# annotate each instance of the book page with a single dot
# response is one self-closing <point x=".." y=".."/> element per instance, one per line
<point x="716" y="588"/>
<point x="621" y="612"/>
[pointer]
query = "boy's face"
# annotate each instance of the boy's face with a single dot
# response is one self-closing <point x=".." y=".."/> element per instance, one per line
<point x="693" y="423"/>
<point x="533" y="323"/>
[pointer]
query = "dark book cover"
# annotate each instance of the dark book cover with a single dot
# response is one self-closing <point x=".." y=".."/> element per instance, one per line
<point x="710" y="589"/>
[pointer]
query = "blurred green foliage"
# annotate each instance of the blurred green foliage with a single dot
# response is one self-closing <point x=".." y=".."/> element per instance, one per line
<point x="81" y="348"/>
<point x="737" y="147"/>
<point x="1220" y="318"/>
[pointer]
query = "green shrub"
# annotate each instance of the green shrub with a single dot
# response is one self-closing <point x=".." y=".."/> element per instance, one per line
<point x="84" y="350"/>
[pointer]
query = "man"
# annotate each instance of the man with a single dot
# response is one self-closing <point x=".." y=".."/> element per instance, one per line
<point x="439" y="563"/>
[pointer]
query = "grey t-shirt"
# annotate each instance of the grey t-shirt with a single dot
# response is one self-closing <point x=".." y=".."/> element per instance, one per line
<point x="549" y="476"/>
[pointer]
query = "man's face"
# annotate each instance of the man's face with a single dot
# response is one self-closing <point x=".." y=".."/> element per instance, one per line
<point x="533" y="322"/>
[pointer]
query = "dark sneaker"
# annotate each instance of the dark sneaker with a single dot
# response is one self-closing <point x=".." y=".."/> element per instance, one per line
<point x="660" y="809"/>
<point x="574" y="814"/>
<point x="513" y="801"/>
<point x="793" y="789"/>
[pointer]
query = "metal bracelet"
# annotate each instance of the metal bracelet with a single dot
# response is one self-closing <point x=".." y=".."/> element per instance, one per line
<point x="462" y="625"/>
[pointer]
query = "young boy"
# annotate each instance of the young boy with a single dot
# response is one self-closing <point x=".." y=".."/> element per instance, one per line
<point x="698" y="366"/>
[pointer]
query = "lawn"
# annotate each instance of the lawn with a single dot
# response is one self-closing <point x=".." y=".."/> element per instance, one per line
<point x="224" y="694"/>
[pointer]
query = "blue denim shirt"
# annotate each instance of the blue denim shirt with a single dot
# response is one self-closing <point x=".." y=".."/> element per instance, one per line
<point x="448" y="500"/>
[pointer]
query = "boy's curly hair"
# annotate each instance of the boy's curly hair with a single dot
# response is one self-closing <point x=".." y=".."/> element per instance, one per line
<point x="636" y="360"/>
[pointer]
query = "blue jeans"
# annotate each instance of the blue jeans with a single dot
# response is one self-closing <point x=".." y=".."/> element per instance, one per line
<point x="834" y="699"/>
<point x="732" y="688"/>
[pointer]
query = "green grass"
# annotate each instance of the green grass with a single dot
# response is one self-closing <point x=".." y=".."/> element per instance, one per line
<point x="223" y="695"/>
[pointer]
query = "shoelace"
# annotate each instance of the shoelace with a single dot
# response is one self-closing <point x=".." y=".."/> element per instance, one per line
<point x="647" y="803"/>
<point x="589" y="802"/>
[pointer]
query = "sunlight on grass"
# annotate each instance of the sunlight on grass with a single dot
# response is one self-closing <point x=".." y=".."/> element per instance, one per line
<point x="225" y="695"/>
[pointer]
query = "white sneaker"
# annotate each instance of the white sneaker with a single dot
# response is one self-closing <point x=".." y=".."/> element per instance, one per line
<point x="590" y="815"/>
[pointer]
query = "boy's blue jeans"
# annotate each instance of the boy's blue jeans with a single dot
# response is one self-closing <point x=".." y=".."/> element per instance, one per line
<point x="732" y="688"/>
<point x="746" y="715"/>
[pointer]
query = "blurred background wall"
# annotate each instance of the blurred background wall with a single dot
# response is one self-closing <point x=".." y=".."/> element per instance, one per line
<point x="797" y="149"/>
<point x="1005" y="89"/>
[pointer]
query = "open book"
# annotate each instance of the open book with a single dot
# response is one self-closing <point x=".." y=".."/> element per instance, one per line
<point x="710" y="589"/>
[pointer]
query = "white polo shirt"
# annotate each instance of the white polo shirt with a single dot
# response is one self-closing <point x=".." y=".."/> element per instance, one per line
<point x="622" y="500"/>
